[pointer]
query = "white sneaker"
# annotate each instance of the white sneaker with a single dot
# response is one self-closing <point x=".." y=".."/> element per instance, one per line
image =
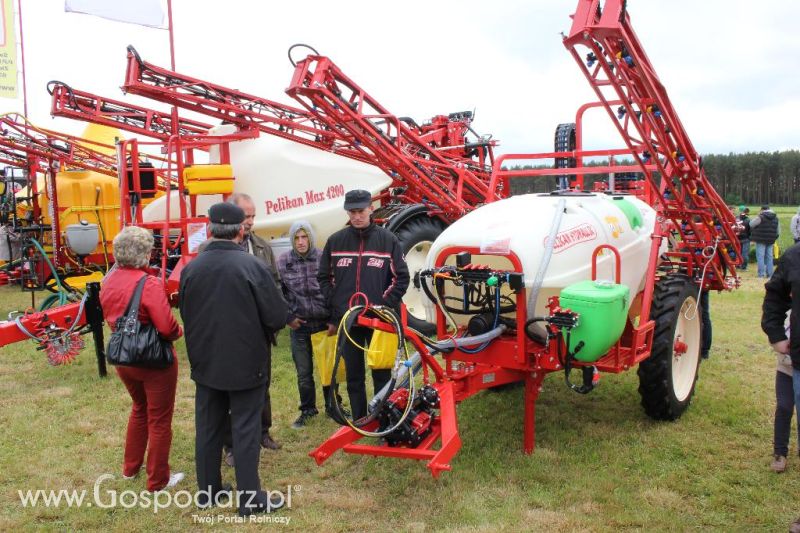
<point x="174" y="479"/>
<point x="130" y="477"/>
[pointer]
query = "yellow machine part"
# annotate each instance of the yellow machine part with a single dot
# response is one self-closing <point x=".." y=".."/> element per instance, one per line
<point x="209" y="179"/>
<point x="85" y="195"/>
<point x="79" y="282"/>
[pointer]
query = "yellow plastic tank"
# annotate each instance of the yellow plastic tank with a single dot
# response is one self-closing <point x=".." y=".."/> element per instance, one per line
<point x="87" y="195"/>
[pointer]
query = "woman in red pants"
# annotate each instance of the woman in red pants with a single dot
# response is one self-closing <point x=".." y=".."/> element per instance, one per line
<point x="152" y="390"/>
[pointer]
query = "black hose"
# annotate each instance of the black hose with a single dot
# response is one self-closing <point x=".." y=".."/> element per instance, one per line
<point x="352" y="317"/>
<point x="299" y="45"/>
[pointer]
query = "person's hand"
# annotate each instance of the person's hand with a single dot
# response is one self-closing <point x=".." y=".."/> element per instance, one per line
<point x="781" y="346"/>
<point x="331" y="330"/>
<point x="296" y="323"/>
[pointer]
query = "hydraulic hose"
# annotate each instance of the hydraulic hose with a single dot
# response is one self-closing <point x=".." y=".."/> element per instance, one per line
<point x="62" y="292"/>
<point x="415" y="361"/>
<point x="548" y="253"/>
<point x="388" y="316"/>
<point x="460" y="342"/>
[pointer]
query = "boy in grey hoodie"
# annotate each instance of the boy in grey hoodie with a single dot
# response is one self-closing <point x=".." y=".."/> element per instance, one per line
<point x="308" y="313"/>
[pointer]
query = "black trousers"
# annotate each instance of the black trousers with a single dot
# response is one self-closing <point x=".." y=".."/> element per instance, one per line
<point x="356" y="372"/>
<point x="211" y="411"/>
<point x="266" y="414"/>
<point x="705" y="315"/>
<point x="784" y="408"/>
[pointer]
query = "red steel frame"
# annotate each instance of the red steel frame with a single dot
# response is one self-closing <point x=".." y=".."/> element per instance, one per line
<point x="39" y="150"/>
<point x="620" y="73"/>
<point x="50" y="152"/>
<point x="451" y="187"/>
<point x="246" y="111"/>
<point x="655" y="139"/>
<point x="343" y="118"/>
<point x="443" y="139"/>
<point x="81" y="105"/>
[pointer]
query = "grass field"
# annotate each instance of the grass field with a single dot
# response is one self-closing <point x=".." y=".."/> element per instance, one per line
<point x="600" y="463"/>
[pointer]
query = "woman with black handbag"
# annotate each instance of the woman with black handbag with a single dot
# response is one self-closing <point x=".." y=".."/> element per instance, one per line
<point x="151" y="388"/>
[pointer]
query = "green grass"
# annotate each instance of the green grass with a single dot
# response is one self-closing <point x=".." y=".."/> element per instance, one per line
<point x="600" y="463"/>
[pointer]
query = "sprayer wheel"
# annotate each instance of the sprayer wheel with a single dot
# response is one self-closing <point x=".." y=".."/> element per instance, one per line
<point x="667" y="378"/>
<point x="416" y="237"/>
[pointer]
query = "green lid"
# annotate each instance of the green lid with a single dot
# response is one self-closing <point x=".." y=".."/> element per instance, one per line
<point x="599" y="291"/>
<point x="630" y="211"/>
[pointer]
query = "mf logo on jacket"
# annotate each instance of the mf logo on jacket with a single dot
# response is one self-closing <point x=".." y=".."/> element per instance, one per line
<point x="344" y="262"/>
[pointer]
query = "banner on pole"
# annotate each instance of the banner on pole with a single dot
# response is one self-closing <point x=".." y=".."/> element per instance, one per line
<point x="8" y="52"/>
<point x="142" y="12"/>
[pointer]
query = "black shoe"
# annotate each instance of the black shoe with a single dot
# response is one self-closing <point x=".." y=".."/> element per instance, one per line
<point x="276" y="501"/>
<point x="219" y="497"/>
<point x="269" y="443"/>
<point x="331" y="413"/>
<point x="704" y="355"/>
<point x="303" y="419"/>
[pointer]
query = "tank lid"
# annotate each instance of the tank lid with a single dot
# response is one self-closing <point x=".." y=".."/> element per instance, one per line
<point x="600" y="291"/>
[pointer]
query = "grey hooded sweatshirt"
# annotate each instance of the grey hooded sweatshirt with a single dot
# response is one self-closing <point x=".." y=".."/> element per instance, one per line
<point x="299" y="281"/>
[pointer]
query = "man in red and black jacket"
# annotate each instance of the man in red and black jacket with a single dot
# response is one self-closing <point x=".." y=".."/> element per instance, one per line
<point x="361" y="258"/>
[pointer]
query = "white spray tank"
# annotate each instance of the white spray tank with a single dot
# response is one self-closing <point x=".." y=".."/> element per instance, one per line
<point x="523" y="224"/>
<point x="288" y="181"/>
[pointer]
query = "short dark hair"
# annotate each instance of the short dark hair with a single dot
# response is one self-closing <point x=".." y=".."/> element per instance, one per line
<point x="227" y="232"/>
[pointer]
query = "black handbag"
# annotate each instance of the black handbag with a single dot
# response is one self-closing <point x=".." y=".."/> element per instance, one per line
<point x="136" y="344"/>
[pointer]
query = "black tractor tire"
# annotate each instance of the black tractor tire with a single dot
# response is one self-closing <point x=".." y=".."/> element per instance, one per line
<point x="667" y="378"/>
<point x="413" y="235"/>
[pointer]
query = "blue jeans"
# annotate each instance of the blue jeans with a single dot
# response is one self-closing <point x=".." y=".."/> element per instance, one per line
<point x="764" y="259"/>
<point x="796" y="385"/>
<point x="745" y="243"/>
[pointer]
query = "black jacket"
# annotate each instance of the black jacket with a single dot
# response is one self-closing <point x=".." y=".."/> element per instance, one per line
<point x="745" y="234"/>
<point x="231" y="310"/>
<point x="365" y="260"/>
<point x="783" y="294"/>
<point x="766" y="231"/>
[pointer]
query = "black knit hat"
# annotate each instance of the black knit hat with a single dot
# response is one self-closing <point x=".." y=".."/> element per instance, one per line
<point x="225" y="213"/>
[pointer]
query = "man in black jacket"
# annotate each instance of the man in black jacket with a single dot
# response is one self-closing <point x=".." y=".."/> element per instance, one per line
<point x="231" y="310"/>
<point x="367" y="259"/>
<point x="764" y="231"/>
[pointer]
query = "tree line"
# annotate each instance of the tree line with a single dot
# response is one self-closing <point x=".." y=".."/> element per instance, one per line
<point x="751" y="178"/>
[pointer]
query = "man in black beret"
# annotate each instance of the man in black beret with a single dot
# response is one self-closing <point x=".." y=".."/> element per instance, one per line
<point x="231" y="310"/>
<point x="367" y="259"/>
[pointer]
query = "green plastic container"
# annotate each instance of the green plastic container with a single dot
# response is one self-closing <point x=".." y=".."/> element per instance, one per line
<point x="603" y="309"/>
<point x="630" y="211"/>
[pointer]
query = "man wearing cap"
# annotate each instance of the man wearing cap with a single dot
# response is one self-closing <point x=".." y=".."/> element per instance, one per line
<point x="361" y="258"/>
<point x="764" y="231"/>
<point x="258" y="247"/>
<point x="231" y="310"/>
<point x="744" y="235"/>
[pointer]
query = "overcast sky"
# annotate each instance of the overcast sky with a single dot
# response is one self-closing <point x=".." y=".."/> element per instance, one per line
<point x="730" y="66"/>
